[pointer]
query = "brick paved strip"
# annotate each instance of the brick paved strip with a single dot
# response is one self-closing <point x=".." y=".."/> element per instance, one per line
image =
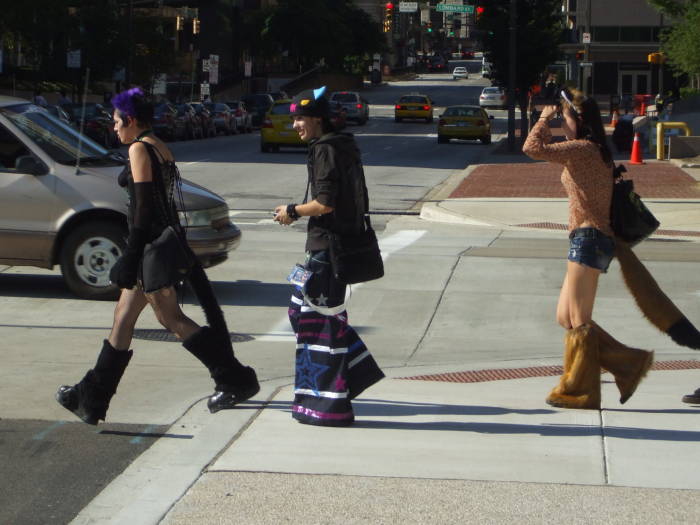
<point x="480" y="376"/>
<point x="542" y="180"/>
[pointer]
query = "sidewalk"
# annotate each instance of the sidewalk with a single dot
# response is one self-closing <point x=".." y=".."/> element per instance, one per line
<point x="447" y="444"/>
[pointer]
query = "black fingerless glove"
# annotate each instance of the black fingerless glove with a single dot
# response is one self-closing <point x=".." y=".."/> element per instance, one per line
<point x="125" y="271"/>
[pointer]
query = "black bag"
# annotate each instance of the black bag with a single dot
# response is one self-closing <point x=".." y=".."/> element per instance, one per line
<point x="356" y="258"/>
<point x="630" y="219"/>
<point x="167" y="260"/>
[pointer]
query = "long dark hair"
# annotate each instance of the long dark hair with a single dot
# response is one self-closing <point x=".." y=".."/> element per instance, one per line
<point x="589" y="124"/>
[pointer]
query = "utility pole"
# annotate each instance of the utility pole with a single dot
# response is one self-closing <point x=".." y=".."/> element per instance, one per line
<point x="512" y="72"/>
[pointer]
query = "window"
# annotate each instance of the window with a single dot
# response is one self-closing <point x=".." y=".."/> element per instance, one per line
<point x="344" y="97"/>
<point x="280" y="109"/>
<point x="605" y="34"/>
<point x="10" y="149"/>
<point x="635" y="34"/>
<point x="414" y="99"/>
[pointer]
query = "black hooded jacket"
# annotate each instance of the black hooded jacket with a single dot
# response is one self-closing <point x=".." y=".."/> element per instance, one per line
<point x="336" y="180"/>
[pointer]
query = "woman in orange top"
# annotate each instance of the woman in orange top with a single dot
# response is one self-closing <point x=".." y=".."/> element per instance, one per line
<point x="588" y="181"/>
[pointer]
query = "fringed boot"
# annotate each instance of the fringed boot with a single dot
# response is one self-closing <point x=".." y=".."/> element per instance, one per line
<point x="627" y="365"/>
<point x="234" y="382"/>
<point x="89" y="399"/>
<point x="579" y="385"/>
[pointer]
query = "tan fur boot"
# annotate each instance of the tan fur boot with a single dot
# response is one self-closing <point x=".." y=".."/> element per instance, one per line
<point x="628" y="365"/>
<point x="579" y="386"/>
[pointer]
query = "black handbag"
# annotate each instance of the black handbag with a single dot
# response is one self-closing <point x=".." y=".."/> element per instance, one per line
<point x="355" y="258"/>
<point x="630" y="219"/>
<point x="167" y="260"/>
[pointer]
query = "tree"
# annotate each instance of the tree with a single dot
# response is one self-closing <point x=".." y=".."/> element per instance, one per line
<point x="314" y="31"/>
<point x="539" y="31"/>
<point x="681" y="44"/>
<point x="675" y="8"/>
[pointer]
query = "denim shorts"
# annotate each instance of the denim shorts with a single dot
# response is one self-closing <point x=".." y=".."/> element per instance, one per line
<point x="591" y="247"/>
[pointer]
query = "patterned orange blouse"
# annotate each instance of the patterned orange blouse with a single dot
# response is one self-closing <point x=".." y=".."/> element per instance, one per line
<point x="587" y="180"/>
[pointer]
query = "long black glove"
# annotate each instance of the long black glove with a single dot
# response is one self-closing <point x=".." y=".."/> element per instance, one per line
<point x="124" y="273"/>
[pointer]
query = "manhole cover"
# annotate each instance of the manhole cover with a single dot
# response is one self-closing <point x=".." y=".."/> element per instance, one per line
<point x="167" y="337"/>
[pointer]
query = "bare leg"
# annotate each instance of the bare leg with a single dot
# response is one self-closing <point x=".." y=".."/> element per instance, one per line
<point x="130" y="305"/>
<point x="169" y="313"/>
<point x="577" y="295"/>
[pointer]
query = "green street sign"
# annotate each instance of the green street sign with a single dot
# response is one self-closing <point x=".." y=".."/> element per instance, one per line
<point x="455" y="8"/>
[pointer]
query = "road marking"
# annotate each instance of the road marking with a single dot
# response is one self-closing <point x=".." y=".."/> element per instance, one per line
<point x="41" y="435"/>
<point x="282" y="332"/>
<point x="193" y="162"/>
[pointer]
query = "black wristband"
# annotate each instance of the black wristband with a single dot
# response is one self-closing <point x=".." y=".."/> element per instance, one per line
<point x="292" y="211"/>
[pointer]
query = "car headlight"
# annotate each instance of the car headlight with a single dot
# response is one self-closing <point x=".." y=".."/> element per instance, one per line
<point x="195" y="218"/>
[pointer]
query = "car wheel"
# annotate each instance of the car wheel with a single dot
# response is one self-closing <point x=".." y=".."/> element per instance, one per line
<point x="443" y="140"/>
<point x="88" y="254"/>
<point x="486" y="139"/>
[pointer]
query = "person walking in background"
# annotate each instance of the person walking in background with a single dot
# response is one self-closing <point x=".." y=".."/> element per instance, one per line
<point x="151" y="181"/>
<point x="588" y="181"/>
<point x="333" y="365"/>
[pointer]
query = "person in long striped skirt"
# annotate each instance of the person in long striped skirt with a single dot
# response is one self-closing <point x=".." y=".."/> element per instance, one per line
<point x="333" y="365"/>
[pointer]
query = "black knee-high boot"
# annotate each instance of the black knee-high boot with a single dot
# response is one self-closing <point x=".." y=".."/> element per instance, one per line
<point x="89" y="399"/>
<point x="234" y="382"/>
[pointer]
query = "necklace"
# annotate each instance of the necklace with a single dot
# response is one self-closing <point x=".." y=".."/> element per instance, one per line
<point x="143" y="134"/>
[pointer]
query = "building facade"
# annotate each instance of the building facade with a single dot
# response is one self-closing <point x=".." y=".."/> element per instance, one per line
<point x="608" y="44"/>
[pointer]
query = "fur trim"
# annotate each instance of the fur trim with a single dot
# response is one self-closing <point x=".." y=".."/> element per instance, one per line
<point x="579" y="385"/>
<point x="628" y="365"/>
<point x="652" y="301"/>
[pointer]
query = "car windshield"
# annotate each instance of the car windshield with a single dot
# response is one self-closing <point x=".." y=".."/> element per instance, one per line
<point x="344" y="97"/>
<point x="460" y="70"/>
<point x="280" y="109"/>
<point x="61" y="142"/>
<point x="415" y="99"/>
<point x="462" y="112"/>
<point x="491" y="91"/>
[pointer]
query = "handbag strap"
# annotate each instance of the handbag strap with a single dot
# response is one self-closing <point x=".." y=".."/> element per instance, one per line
<point x="618" y="171"/>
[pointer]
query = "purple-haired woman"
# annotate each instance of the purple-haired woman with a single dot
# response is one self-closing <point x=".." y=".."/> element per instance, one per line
<point x="152" y="180"/>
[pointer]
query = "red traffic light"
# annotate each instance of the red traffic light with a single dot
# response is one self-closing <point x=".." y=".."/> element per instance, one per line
<point x="479" y="10"/>
<point x="389" y="5"/>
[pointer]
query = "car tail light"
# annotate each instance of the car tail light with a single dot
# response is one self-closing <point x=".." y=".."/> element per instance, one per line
<point x="482" y="96"/>
<point x="397" y="107"/>
<point x="426" y="108"/>
<point x="267" y="123"/>
<point x="359" y="106"/>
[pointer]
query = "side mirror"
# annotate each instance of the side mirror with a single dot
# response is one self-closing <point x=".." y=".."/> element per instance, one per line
<point x="31" y="165"/>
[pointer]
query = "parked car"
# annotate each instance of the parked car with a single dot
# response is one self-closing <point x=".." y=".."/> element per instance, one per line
<point x="356" y="107"/>
<point x="96" y="124"/>
<point x="467" y="54"/>
<point x="205" y="119"/>
<point x="459" y="72"/>
<point x="464" y="122"/>
<point x="258" y="104"/>
<point x="492" y="97"/>
<point x="414" y="106"/>
<point x="242" y="117"/>
<point x="187" y="117"/>
<point x="277" y="128"/>
<point x="165" y="124"/>
<point x="55" y="213"/>
<point x="223" y="117"/>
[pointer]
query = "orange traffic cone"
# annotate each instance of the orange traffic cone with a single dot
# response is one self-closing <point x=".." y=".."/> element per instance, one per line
<point x="615" y="118"/>
<point x="636" y="157"/>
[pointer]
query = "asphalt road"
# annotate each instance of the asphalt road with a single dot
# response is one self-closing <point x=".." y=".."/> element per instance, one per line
<point x="52" y="465"/>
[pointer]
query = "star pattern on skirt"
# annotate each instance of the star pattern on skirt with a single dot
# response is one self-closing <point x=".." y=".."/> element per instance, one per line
<point x="340" y="384"/>
<point x="321" y="300"/>
<point x="308" y="372"/>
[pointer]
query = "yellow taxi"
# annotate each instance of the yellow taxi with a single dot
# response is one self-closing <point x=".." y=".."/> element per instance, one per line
<point x="415" y="106"/>
<point x="277" y="130"/>
<point x="464" y="122"/>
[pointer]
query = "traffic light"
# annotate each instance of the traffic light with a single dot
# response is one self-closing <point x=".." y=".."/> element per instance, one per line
<point x="656" y="58"/>
<point x="195" y="26"/>
<point x="429" y="27"/>
<point x="388" y="16"/>
<point x="580" y="54"/>
<point x="479" y="11"/>
<point x="179" y="22"/>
